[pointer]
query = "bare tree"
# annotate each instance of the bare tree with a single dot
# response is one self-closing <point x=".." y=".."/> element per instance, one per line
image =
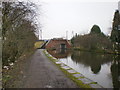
<point x="18" y="29"/>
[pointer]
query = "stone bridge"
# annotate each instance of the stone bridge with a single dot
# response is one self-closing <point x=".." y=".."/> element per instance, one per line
<point x="58" y="43"/>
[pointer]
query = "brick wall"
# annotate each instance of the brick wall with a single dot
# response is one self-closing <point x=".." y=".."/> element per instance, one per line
<point x="56" y="44"/>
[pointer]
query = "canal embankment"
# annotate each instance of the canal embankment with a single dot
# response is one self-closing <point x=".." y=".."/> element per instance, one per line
<point x="78" y="78"/>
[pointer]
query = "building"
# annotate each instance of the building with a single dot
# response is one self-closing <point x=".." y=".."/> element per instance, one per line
<point x="58" y="43"/>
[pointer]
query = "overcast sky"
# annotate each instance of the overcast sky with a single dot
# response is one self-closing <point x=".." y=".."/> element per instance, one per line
<point x="61" y="16"/>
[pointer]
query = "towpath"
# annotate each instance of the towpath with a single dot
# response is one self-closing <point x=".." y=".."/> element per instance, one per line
<point x="42" y="73"/>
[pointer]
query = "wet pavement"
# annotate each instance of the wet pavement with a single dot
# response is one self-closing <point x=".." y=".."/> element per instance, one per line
<point x="42" y="73"/>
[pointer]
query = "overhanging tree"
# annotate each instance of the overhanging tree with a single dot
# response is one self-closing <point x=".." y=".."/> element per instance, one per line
<point x="18" y="29"/>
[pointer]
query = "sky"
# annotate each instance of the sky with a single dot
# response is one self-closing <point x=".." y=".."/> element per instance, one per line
<point x="65" y="18"/>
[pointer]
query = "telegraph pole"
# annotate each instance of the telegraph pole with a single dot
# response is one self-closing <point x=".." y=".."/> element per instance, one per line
<point x="72" y="38"/>
<point x="66" y="35"/>
<point x="41" y="34"/>
<point x="72" y="33"/>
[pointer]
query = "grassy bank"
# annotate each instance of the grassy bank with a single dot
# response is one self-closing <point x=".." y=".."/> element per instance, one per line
<point x="38" y="44"/>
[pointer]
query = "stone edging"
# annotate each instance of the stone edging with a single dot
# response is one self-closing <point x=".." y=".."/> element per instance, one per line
<point x="76" y="74"/>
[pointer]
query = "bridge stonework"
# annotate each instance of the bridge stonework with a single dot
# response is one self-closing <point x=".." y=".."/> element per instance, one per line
<point x="58" y="44"/>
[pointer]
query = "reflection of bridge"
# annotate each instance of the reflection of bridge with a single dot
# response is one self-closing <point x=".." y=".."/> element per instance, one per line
<point x="57" y="43"/>
<point x="59" y="53"/>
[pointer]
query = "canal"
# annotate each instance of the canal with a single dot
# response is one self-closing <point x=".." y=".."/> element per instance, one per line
<point x="101" y="68"/>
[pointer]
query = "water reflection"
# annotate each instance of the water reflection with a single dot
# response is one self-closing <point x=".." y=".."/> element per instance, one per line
<point x="59" y="53"/>
<point x="96" y="60"/>
<point x="91" y="59"/>
<point x="115" y="71"/>
<point x="105" y="68"/>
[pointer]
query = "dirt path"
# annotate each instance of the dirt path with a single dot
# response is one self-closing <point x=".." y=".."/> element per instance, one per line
<point x="42" y="73"/>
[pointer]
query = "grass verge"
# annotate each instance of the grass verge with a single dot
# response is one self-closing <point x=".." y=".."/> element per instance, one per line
<point x="70" y="75"/>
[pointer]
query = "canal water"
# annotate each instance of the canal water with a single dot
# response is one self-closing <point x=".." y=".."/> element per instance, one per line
<point x="101" y="68"/>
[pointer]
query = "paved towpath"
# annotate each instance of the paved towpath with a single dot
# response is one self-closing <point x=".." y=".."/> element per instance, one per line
<point x="42" y="73"/>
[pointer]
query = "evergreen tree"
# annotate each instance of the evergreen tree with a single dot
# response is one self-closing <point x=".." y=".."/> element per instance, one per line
<point x="95" y="29"/>
<point x="115" y="33"/>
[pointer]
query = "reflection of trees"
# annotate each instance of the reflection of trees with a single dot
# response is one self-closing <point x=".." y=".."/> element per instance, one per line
<point x="61" y="53"/>
<point x="115" y="70"/>
<point x="95" y="68"/>
<point x="91" y="59"/>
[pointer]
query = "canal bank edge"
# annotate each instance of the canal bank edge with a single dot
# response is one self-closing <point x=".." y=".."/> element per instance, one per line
<point x="77" y="77"/>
